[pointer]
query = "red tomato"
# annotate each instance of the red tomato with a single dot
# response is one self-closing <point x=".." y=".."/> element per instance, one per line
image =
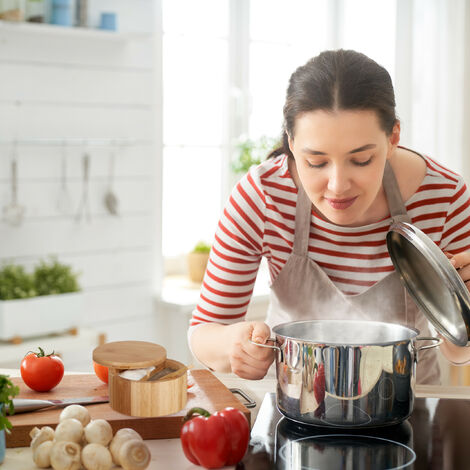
<point x="101" y="372"/>
<point x="41" y="372"/>
<point x="190" y="381"/>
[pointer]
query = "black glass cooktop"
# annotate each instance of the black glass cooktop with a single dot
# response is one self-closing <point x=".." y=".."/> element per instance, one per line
<point x="435" y="437"/>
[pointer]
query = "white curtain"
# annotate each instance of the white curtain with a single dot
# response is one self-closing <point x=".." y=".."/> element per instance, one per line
<point x="432" y="79"/>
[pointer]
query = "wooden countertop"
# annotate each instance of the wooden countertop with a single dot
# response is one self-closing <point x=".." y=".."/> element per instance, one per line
<point x="167" y="453"/>
<point x="442" y="391"/>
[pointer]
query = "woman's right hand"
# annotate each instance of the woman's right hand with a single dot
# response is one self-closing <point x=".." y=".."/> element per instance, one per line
<point x="247" y="360"/>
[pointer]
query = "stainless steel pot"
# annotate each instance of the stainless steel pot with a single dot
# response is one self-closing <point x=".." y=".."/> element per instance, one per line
<point x="346" y="373"/>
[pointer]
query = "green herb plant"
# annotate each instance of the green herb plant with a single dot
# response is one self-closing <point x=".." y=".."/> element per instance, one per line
<point x="7" y="392"/>
<point x="54" y="278"/>
<point x="201" y="247"/>
<point x="251" y="152"/>
<point x="48" y="278"/>
<point x="16" y="283"/>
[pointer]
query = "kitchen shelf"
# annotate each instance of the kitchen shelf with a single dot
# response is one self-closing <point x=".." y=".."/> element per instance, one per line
<point x="75" y="350"/>
<point x="73" y="142"/>
<point x="78" y="32"/>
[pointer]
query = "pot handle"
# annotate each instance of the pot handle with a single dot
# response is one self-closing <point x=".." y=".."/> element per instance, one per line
<point x="438" y="342"/>
<point x="249" y="403"/>
<point x="267" y="345"/>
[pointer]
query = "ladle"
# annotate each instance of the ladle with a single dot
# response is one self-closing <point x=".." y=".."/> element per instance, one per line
<point x="64" y="202"/>
<point x="84" y="206"/>
<point x="13" y="213"/>
<point x="110" y="199"/>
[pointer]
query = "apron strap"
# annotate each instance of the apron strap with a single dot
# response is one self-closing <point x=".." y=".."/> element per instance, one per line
<point x="303" y="218"/>
<point x="392" y="192"/>
<point x="398" y="213"/>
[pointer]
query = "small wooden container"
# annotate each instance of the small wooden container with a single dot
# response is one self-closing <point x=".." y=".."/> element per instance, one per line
<point x="162" y="391"/>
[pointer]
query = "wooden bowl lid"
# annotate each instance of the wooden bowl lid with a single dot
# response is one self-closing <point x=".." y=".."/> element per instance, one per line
<point x="129" y="354"/>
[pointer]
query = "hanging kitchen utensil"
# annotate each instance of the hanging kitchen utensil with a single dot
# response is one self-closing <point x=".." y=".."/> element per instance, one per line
<point x="431" y="280"/>
<point x="64" y="201"/>
<point x="13" y="213"/>
<point x="110" y="200"/>
<point x="84" y="206"/>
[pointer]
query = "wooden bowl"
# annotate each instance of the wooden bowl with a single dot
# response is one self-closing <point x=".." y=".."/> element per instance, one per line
<point x="162" y="391"/>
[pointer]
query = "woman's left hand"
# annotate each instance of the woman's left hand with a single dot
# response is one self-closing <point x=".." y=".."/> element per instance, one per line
<point x="461" y="263"/>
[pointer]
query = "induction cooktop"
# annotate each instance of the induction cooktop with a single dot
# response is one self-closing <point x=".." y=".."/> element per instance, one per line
<point x="435" y="437"/>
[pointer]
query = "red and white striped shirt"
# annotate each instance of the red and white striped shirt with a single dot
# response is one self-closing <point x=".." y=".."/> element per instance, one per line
<point x="258" y="220"/>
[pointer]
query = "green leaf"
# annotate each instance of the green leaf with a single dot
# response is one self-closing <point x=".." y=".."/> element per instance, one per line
<point x="252" y="152"/>
<point x="7" y="392"/>
<point x="52" y="277"/>
<point x="201" y="247"/>
<point x="48" y="278"/>
<point x="16" y="283"/>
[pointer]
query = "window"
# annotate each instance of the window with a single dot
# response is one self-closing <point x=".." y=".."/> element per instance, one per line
<point x="292" y="33"/>
<point x="195" y="55"/>
<point x="197" y="88"/>
<point x="369" y="27"/>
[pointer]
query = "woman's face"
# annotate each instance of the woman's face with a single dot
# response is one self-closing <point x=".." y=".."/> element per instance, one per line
<point x="340" y="158"/>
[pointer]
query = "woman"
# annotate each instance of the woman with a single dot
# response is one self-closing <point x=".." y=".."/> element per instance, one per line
<point x="319" y="210"/>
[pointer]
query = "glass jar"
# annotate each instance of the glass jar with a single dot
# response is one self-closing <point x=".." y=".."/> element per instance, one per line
<point x="61" y="12"/>
<point x="11" y="10"/>
<point x="35" y="11"/>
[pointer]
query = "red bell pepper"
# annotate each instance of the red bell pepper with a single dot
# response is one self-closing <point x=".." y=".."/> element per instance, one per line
<point x="214" y="441"/>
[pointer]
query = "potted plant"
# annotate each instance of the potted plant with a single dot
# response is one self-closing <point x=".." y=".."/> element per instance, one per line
<point x="7" y="392"/>
<point x="48" y="300"/>
<point x="250" y="152"/>
<point x="197" y="261"/>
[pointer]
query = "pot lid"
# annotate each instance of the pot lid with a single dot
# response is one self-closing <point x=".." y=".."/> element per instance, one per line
<point x="129" y="354"/>
<point x="431" y="280"/>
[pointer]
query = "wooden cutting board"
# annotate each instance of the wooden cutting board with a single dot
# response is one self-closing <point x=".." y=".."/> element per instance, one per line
<point x="207" y="392"/>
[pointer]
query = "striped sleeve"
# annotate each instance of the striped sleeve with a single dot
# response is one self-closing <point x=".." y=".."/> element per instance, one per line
<point x="456" y="231"/>
<point x="235" y="256"/>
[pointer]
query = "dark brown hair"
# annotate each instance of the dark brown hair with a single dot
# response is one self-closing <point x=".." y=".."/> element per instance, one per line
<point x="338" y="80"/>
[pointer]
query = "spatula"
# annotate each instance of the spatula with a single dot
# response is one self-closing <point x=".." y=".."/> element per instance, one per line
<point x="23" y="405"/>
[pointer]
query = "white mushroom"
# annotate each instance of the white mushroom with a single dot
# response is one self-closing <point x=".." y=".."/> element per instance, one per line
<point x="123" y="435"/>
<point x="34" y="432"/>
<point x="134" y="455"/>
<point x="96" y="457"/>
<point x="39" y="436"/>
<point x="42" y="454"/>
<point x="70" y="430"/>
<point x="65" y="456"/>
<point x="77" y="412"/>
<point x="98" y="431"/>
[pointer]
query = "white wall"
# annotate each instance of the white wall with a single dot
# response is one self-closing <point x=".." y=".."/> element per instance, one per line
<point x="59" y="83"/>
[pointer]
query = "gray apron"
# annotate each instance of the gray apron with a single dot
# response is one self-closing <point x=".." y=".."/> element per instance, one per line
<point x="303" y="291"/>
